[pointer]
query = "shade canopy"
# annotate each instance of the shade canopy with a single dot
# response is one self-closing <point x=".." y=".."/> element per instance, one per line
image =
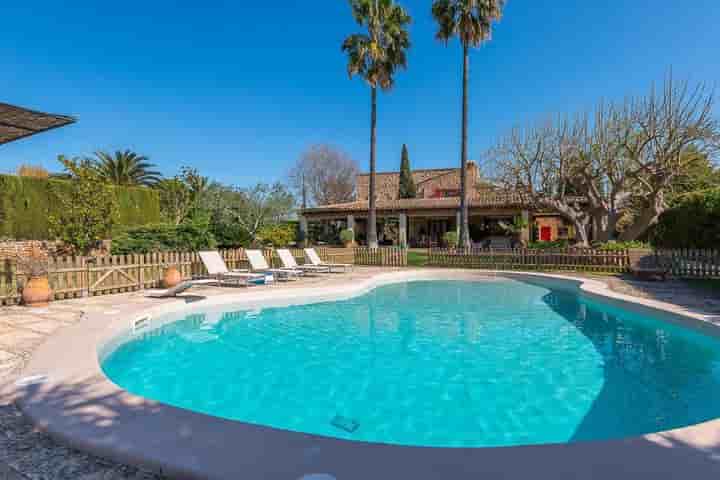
<point x="18" y="122"/>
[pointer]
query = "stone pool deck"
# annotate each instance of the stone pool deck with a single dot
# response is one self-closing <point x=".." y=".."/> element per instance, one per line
<point x="27" y="453"/>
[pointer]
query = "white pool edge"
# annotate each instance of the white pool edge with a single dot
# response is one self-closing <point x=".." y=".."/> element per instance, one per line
<point x="79" y="405"/>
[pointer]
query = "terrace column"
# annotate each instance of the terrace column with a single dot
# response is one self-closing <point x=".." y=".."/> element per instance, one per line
<point x="403" y="240"/>
<point x="525" y="232"/>
<point x="457" y="223"/>
<point x="351" y="226"/>
<point x="304" y="229"/>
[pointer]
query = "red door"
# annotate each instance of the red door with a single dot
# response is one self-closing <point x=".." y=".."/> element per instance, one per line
<point x="545" y="234"/>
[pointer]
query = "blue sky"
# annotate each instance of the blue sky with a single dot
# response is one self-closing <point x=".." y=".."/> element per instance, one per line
<point x="239" y="89"/>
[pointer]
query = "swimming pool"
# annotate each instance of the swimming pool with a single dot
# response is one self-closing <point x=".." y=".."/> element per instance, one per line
<point x="432" y="363"/>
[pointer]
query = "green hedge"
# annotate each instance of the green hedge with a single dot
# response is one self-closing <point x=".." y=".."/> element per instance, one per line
<point x="25" y="204"/>
<point x="164" y="237"/>
<point x="693" y="221"/>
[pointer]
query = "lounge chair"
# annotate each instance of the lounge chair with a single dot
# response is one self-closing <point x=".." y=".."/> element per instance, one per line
<point x="177" y="289"/>
<point x="258" y="264"/>
<point x="288" y="261"/>
<point x="217" y="269"/>
<point x="314" y="259"/>
<point x="647" y="266"/>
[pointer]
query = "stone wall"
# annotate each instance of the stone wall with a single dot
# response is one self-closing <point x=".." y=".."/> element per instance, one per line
<point x="9" y="249"/>
<point x="428" y="182"/>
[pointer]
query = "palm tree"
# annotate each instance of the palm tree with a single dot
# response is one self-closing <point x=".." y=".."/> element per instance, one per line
<point x="126" y="168"/>
<point x="471" y="21"/>
<point x="376" y="56"/>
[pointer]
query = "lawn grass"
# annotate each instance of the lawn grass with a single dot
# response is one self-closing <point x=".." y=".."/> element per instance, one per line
<point x="417" y="258"/>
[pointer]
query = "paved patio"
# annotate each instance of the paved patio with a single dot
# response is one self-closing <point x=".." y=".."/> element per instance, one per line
<point x="22" y="330"/>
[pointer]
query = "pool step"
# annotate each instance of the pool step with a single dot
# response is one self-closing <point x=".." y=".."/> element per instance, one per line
<point x="343" y="423"/>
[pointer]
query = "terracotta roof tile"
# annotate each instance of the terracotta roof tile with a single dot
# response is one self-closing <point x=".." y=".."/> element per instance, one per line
<point x="483" y="200"/>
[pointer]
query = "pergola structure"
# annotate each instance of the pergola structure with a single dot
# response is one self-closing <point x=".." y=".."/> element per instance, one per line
<point x="17" y="122"/>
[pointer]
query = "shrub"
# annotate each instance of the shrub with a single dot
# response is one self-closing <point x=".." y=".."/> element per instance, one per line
<point x="620" y="246"/>
<point x="163" y="237"/>
<point x="347" y="235"/>
<point x="86" y="208"/>
<point x="277" y="235"/>
<point x="548" y="245"/>
<point x="451" y="239"/>
<point x="32" y="171"/>
<point x="229" y="234"/>
<point x="693" y="221"/>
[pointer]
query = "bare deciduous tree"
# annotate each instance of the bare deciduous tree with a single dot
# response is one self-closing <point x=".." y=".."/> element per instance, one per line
<point x="251" y="208"/>
<point x="616" y="174"/>
<point x="324" y="175"/>
<point x="539" y="164"/>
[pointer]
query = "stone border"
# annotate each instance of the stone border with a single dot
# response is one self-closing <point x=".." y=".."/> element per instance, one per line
<point x="66" y="394"/>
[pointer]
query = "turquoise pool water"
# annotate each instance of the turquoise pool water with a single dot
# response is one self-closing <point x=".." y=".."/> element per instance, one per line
<point x="433" y="363"/>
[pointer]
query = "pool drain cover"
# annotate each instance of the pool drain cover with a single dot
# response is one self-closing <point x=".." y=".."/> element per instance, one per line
<point x="344" y="423"/>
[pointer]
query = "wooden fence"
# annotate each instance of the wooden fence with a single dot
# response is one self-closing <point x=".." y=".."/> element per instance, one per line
<point x="72" y="277"/>
<point x="691" y="263"/>
<point x="381" y="256"/>
<point x="571" y="259"/>
<point x="82" y="276"/>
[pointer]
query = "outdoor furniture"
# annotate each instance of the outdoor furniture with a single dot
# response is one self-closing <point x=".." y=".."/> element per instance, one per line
<point x="288" y="261"/>
<point x="314" y="259"/>
<point x="177" y="289"/>
<point x="259" y="264"/>
<point x="499" y="243"/>
<point x="645" y="265"/>
<point x="217" y="269"/>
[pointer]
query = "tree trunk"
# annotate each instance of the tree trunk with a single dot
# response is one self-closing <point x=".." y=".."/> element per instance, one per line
<point x="581" y="231"/>
<point x="647" y="218"/>
<point x="580" y="220"/>
<point x="464" y="238"/>
<point x="605" y="225"/>
<point x="372" y="216"/>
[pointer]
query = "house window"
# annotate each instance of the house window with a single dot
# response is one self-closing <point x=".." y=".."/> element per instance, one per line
<point x="445" y="193"/>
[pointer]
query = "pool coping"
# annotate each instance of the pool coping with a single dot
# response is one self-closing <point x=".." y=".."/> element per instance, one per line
<point x="66" y="394"/>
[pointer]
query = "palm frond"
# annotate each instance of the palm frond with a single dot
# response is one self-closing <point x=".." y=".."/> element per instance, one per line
<point x="470" y="20"/>
<point x="126" y="168"/>
<point x="378" y="54"/>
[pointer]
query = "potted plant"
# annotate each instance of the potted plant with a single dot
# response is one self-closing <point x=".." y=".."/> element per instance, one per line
<point x="172" y="276"/>
<point x="451" y="239"/>
<point x="347" y="236"/>
<point x="36" y="291"/>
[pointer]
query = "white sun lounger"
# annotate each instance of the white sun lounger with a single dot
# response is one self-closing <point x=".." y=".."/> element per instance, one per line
<point x="217" y="269"/>
<point x="288" y="261"/>
<point x="259" y="264"/>
<point x="314" y="259"/>
<point x="176" y="290"/>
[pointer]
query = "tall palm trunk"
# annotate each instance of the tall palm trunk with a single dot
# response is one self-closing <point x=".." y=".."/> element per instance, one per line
<point x="464" y="238"/>
<point x="372" y="217"/>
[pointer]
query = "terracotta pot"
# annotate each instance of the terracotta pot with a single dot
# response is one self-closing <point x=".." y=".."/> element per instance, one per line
<point x="36" y="292"/>
<point x="172" y="277"/>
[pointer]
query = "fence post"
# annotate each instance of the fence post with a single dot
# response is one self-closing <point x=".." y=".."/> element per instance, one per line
<point x="87" y="261"/>
<point x="141" y="271"/>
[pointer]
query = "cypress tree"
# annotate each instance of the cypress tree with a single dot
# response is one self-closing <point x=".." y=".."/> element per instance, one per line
<point x="407" y="184"/>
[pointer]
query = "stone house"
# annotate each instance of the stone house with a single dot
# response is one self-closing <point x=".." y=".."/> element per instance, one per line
<point x="423" y="221"/>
